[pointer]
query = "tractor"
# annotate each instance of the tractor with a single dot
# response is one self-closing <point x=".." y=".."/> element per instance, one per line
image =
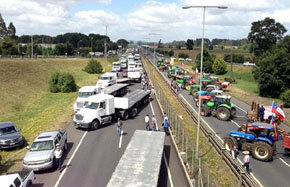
<point x="220" y="106"/>
<point x="257" y="139"/>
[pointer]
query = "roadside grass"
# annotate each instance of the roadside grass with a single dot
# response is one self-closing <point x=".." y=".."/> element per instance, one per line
<point x="26" y="101"/>
<point x="218" y="172"/>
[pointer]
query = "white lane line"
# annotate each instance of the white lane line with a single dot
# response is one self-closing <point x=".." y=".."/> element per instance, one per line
<point x="121" y="137"/>
<point x="154" y="114"/>
<point x="68" y="163"/>
<point x="168" y="171"/>
<point x="284" y="162"/>
<point x="241" y="109"/>
<point x="235" y="123"/>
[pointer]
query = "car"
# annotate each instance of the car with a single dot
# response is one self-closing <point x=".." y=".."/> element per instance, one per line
<point x="41" y="152"/>
<point x="188" y="59"/>
<point x="249" y="64"/>
<point x="10" y="137"/>
<point x="181" y="59"/>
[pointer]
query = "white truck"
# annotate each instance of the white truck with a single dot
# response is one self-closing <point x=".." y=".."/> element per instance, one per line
<point x="137" y="57"/>
<point x="116" y="66"/>
<point x="133" y="73"/>
<point x="103" y="108"/>
<point x="87" y="91"/>
<point x="123" y="63"/>
<point x="22" y="178"/>
<point x="107" y="79"/>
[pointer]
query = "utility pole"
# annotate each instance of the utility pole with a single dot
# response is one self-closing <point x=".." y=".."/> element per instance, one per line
<point x="31" y="46"/>
<point x="232" y="59"/>
<point x="106" y="60"/>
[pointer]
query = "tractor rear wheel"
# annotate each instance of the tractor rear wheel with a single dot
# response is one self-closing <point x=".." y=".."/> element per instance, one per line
<point x="262" y="151"/>
<point x="229" y="143"/>
<point x="204" y="111"/>
<point x="223" y="113"/>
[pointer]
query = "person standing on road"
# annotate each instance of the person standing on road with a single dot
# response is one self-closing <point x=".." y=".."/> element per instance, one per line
<point x="147" y="122"/>
<point x="58" y="155"/>
<point x="247" y="161"/>
<point x="235" y="152"/>
<point x="154" y="123"/>
<point x="165" y="126"/>
<point x="261" y="112"/>
<point x="119" y="126"/>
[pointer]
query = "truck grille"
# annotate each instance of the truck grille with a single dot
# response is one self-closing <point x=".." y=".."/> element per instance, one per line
<point x="80" y="104"/>
<point x="79" y="117"/>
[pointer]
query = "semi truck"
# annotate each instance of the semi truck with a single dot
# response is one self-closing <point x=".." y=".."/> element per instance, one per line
<point x="107" y="79"/>
<point x="133" y="73"/>
<point x="116" y="66"/>
<point x="87" y="91"/>
<point x="104" y="108"/>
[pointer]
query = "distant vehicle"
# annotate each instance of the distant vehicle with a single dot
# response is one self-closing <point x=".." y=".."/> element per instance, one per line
<point x="41" y="152"/>
<point x="107" y="79"/>
<point x="249" y="64"/>
<point x="116" y="66"/>
<point x="181" y="59"/>
<point x="133" y="72"/>
<point x="123" y="63"/>
<point x="137" y="57"/>
<point x="103" y="108"/>
<point x="125" y="73"/>
<point x="22" y="178"/>
<point x="188" y="59"/>
<point x="9" y="136"/>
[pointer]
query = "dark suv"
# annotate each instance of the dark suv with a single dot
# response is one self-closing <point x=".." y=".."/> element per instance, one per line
<point x="9" y="136"/>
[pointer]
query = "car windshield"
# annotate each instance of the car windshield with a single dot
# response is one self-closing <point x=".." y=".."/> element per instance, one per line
<point x="42" y="146"/>
<point x="85" y="94"/>
<point x="7" y="130"/>
<point x="105" y="78"/>
<point x="91" y="105"/>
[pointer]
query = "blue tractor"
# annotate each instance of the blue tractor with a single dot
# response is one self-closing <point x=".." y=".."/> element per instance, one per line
<point x="257" y="139"/>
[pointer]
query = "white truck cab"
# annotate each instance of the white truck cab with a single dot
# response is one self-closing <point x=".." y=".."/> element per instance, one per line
<point x="107" y="79"/>
<point x="123" y="63"/>
<point x="83" y="94"/>
<point x="22" y="178"/>
<point x="116" y="66"/>
<point x="137" y="57"/>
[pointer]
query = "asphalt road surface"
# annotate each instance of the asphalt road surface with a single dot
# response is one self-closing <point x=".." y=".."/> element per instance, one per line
<point x="93" y="155"/>
<point x="272" y="173"/>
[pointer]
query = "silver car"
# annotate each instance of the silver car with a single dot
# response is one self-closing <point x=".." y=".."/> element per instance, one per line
<point x="41" y="152"/>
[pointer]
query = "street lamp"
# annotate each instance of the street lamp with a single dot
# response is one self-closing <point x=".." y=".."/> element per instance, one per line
<point x="79" y="47"/>
<point x="154" y="53"/>
<point x="200" y="77"/>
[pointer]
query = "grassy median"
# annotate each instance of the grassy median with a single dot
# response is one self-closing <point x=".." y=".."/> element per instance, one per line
<point x="27" y="102"/>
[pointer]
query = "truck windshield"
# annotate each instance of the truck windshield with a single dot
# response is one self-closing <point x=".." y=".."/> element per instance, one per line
<point x="91" y="105"/>
<point x="85" y="94"/>
<point x="105" y="78"/>
<point x="42" y="146"/>
<point x="7" y="130"/>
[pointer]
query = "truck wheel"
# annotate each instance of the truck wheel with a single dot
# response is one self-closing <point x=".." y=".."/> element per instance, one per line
<point x="133" y="112"/>
<point x="29" y="184"/>
<point x="223" y="113"/>
<point x="95" y="124"/>
<point x="229" y="143"/>
<point x="125" y="115"/>
<point x="233" y="111"/>
<point x="203" y="111"/>
<point x="65" y="146"/>
<point x="262" y="151"/>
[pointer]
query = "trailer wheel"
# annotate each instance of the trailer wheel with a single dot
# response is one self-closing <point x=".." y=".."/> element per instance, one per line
<point x="125" y="115"/>
<point x="229" y="143"/>
<point x="262" y="151"/>
<point x="95" y="124"/>
<point x="223" y="113"/>
<point x="133" y="112"/>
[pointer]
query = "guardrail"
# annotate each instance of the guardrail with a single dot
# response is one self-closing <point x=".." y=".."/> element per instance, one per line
<point x="244" y="178"/>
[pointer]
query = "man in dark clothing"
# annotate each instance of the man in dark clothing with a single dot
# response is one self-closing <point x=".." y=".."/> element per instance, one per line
<point x="119" y="126"/>
<point x="165" y="126"/>
<point x="261" y="112"/>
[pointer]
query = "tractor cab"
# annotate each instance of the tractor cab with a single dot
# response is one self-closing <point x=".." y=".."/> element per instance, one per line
<point x="222" y="99"/>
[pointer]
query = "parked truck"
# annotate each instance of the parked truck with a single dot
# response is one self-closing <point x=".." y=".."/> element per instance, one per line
<point x="104" y="108"/>
<point x="133" y="72"/>
<point x="87" y="91"/>
<point x="107" y="79"/>
<point x="22" y="178"/>
<point x="116" y="66"/>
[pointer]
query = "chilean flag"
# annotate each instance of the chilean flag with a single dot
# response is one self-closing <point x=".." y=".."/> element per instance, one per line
<point x="278" y="111"/>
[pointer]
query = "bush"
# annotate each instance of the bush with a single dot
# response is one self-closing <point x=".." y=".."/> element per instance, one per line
<point x="237" y="58"/>
<point x="207" y="62"/>
<point x="229" y="79"/>
<point x="62" y="82"/>
<point x="171" y="52"/>
<point x="183" y="55"/>
<point x="285" y="96"/>
<point x="93" y="67"/>
<point x="219" y="66"/>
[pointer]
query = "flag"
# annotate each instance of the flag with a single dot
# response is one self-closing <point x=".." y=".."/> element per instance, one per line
<point x="278" y="111"/>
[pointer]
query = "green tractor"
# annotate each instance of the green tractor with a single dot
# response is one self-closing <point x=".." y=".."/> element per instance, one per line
<point x="220" y="106"/>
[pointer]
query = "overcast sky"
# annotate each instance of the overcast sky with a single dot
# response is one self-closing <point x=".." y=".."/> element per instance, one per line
<point x="136" y="19"/>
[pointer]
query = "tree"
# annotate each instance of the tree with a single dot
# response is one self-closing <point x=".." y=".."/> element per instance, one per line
<point x="11" y="30"/>
<point x="8" y="46"/>
<point x="183" y="55"/>
<point x="265" y="34"/>
<point x="3" y="29"/>
<point x="36" y="49"/>
<point x="60" y="49"/>
<point x="219" y="66"/>
<point x="122" y="42"/>
<point x="207" y="62"/>
<point x="171" y="53"/>
<point x="189" y="44"/>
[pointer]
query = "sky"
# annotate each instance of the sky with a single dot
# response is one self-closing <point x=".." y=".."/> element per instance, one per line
<point x="146" y="20"/>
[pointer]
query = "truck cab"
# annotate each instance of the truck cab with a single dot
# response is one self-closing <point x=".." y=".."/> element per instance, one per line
<point x="83" y="94"/>
<point x="22" y="178"/>
<point x="123" y="63"/>
<point x="116" y="67"/>
<point x="107" y="79"/>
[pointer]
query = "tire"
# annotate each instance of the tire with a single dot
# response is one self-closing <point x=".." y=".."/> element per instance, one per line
<point x="229" y="143"/>
<point x="95" y="125"/>
<point x="223" y="113"/>
<point x="262" y="151"/>
<point x="133" y="113"/>
<point x="29" y="184"/>
<point x="65" y="146"/>
<point x="125" y="115"/>
<point x="203" y="111"/>
<point x="233" y="111"/>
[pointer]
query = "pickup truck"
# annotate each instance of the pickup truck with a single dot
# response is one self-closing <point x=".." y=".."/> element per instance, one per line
<point x="41" y="152"/>
<point x="22" y="178"/>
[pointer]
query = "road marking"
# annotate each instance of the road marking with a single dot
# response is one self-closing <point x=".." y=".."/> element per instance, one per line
<point x="241" y="109"/>
<point x="121" y="137"/>
<point x="168" y="171"/>
<point x="235" y="123"/>
<point x="154" y="114"/>
<point x="284" y="162"/>
<point x="68" y="163"/>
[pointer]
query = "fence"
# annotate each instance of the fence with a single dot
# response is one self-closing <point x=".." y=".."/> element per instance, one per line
<point x="196" y="169"/>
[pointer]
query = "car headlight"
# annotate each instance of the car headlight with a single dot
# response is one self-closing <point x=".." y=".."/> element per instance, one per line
<point x="25" y="162"/>
<point x="20" y="139"/>
<point x="48" y="160"/>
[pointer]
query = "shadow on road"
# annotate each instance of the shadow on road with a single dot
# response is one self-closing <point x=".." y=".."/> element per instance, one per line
<point x="163" y="175"/>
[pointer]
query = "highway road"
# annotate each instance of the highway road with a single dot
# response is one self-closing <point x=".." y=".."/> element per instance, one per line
<point x="272" y="173"/>
<point x="93" y="155"/>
